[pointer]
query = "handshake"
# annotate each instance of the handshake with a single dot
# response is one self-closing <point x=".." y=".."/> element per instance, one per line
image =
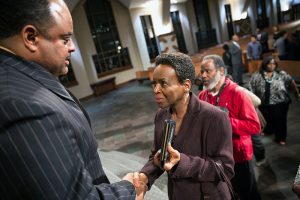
<point x="165" y="158"/>
<point x="139" y="180"/>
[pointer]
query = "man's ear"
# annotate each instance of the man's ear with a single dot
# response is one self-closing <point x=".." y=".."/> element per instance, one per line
<point x="30" y="37"/>
<point x="222" y="71"/>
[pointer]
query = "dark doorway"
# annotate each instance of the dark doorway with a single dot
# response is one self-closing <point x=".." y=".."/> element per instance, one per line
<point x="279" y="20"/>
<point x="178" y="31"/>
<point x="262" y="19"/>
<point x="229" y="21"/>
<point x="150" y="37"/>
<point x="205" y="35"/>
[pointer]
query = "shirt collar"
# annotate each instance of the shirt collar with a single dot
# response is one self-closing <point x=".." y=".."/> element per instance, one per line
<point x="6" y="49"/>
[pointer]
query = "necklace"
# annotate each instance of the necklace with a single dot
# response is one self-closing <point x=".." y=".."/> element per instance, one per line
<point x="267" y="78"/>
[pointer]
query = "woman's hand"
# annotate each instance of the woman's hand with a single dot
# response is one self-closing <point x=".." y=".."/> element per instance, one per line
<point x="174" y="158"/>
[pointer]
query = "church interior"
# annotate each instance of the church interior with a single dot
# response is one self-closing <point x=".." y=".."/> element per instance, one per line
<point x="111" y="71"/>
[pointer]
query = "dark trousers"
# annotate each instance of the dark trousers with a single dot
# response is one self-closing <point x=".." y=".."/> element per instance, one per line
<point x="258" y="148"/>
<point x="237" y="73"/>
<point x="244" y="182"/>
<point x="265" y="47"/>
<point x="230" y="70"/>
<point x="276" y="117"/>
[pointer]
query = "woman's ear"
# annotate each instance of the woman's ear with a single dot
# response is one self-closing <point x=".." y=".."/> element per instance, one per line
<point x="187" y="85"/>
<point x="30" y="37"/>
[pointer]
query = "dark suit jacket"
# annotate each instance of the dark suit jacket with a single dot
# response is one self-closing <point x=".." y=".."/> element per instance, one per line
<point x="236" y="54"/>
<point x="204" y="138"/>
<point x="47" y="148"/>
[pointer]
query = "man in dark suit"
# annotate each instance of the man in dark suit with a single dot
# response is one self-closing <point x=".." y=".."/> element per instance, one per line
<point x="263" y="38"/>
<point x="236" y="60"/>
<point x="47" y="148"/>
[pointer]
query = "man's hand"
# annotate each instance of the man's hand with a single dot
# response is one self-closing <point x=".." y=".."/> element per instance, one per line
<point x="128" y="177"/>
<point x="139" y="180"/>
<point x="140" y="177"/>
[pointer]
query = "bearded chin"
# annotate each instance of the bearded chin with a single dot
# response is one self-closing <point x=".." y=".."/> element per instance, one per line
<point x="214" y="81"/>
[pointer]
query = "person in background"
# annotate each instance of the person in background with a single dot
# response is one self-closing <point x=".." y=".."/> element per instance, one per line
<point x="281" y="45"/>
<point x="254" y="49"/>
<point x="202" y="138"/>
<point x="227" y="59"/>
<point x="227" y="95"/>
<point x="276" y="33"/>
<point x="271" y="85"/>
<point x="47" y="147"/>
<point x="296" y="184"/>
<point x="263" y="39"/>
<point x="236" y="60"/>
<point x="258" y="146"/>
<point x="293" y="47"/>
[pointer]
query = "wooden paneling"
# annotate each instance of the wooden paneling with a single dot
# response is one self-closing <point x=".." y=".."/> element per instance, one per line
<point x="104" y="86"/>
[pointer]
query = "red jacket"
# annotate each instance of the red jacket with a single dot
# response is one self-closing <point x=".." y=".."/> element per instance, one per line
<point x="242" y="115"/>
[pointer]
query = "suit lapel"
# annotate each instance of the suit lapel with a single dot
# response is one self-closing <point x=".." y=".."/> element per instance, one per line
<point x="186" y="124"/>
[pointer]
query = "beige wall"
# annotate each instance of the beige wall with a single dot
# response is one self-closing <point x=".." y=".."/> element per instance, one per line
<point x="87" y="47"/>
<point x="186" y="26"/>
<point x="126" y="34"/>
<point x="160" y="27"/>
<point x="83" y="88"/>
<point x="84" y="39"/>
<point x="192" y="25"/>
<point x="218" y="18"/>
<point x="217" y="22"/>
<point x="131" y="36"/>
<point x="155" y="10"/>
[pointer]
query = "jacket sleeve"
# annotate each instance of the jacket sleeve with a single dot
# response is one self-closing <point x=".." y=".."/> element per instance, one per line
<point x="260" y="49"/>
<point x="40" y="157"/>
<point x="245" y="121"/>
<point x="150" y="169"/>
<point x="217" y="147"/>
<point x="249" y="51"/>
<point x="253" y="84"/>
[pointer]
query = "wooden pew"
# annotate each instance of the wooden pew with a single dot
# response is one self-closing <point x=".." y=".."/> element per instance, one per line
<point x="141" y="76"/>
<point x="145" y="75"/>
<point x="253" y="66"/>
<point x="291" y="67"/>
<point x="104" y="86"/>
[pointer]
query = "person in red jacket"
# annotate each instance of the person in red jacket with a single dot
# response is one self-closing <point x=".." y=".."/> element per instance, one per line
<point x="226" y="95"/>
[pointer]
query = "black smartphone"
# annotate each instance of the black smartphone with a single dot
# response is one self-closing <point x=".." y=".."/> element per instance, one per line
<point x="167" y="138"/>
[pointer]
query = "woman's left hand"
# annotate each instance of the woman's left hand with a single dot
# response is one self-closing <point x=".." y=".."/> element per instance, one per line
<point x="174" y="158"/>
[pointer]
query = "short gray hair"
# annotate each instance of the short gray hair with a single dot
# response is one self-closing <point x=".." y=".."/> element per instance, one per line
<point x="217" y="60"/>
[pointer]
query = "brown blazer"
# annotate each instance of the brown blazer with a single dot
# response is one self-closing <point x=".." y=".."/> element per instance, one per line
<point x="204" y="137"/>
